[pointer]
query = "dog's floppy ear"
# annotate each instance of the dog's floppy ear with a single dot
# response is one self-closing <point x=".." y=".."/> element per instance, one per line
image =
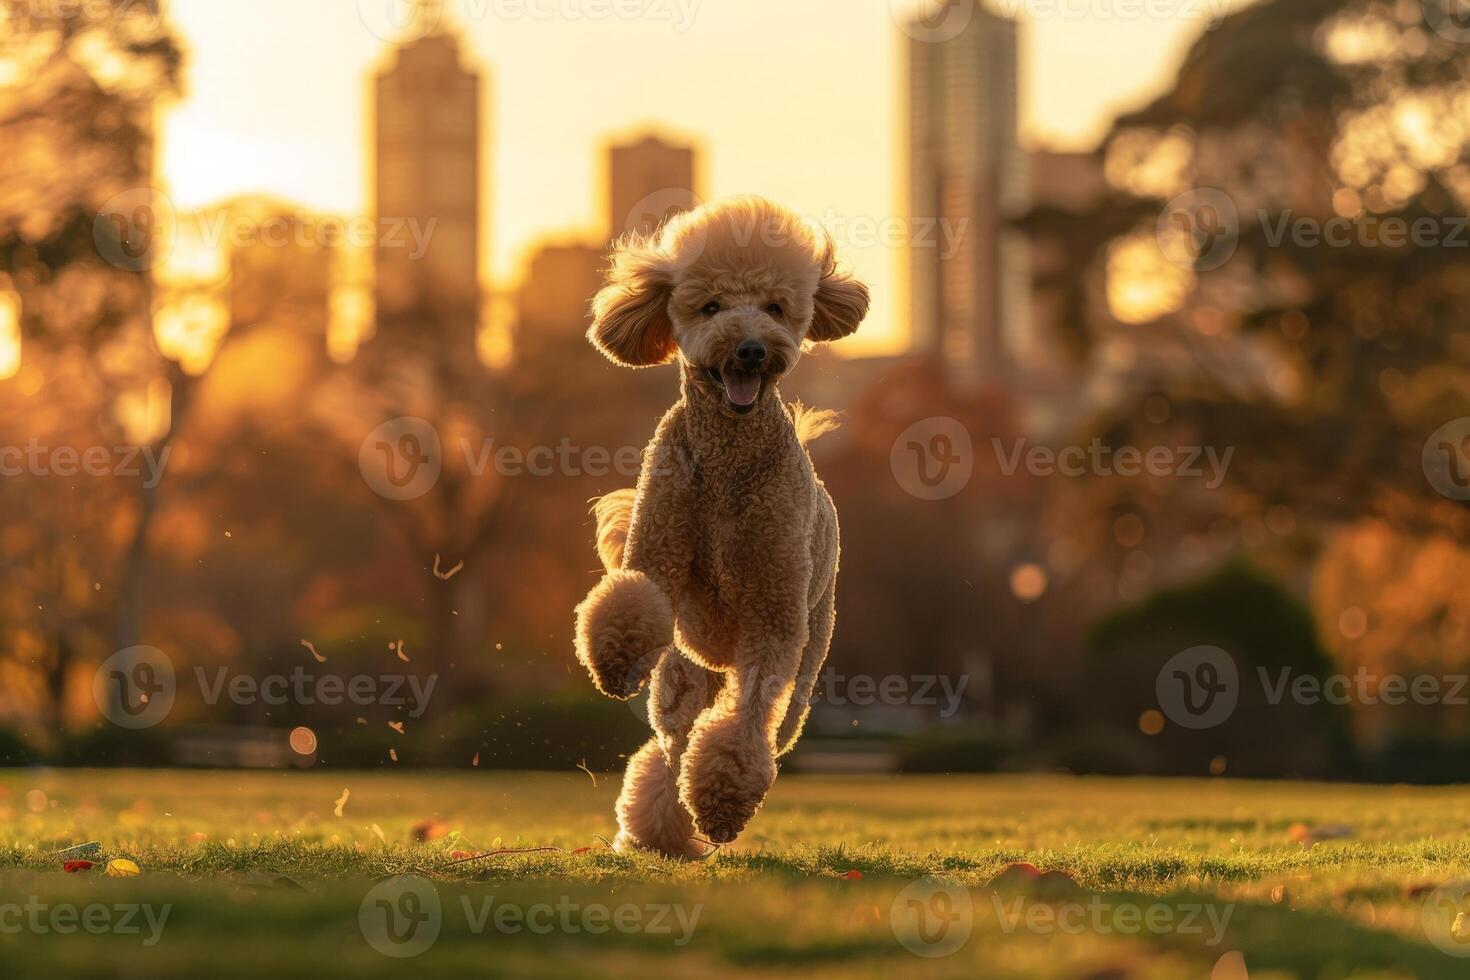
<point x="630" y="314"/>
<point x="839" y="307"/>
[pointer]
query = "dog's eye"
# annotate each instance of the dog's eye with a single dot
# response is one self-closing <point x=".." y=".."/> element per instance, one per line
<point x="711" y="308"/>
<point x="775" y="310"/>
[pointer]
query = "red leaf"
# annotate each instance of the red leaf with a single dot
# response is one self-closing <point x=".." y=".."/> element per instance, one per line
<point x="72" y="867"/>
<point x="853" y="875"/>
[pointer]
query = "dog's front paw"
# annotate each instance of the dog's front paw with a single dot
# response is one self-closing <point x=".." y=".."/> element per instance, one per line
<point x="623" y="626"/>
<point x="727" y="771"/>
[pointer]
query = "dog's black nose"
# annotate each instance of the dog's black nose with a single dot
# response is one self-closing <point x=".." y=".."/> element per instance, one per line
<point x="750" y="354"/>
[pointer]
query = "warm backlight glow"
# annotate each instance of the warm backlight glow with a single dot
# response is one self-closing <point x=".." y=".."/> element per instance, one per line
<point x="189" y="330"/>
<point x="9" y="334"/>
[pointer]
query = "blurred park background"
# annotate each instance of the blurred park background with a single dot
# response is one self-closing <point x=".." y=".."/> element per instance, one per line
<point x="1185" y="367"/>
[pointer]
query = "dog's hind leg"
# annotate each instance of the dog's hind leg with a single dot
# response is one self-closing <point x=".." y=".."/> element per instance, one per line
<point x="819" y="641"/>
<point x="650" y="816"/>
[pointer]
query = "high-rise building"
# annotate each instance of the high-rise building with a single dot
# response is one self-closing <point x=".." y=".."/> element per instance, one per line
<point x="427" y="188"/>
<point x="968" y="280"/>
<point x="648" y="182"/>
<point x="555" y="300"/>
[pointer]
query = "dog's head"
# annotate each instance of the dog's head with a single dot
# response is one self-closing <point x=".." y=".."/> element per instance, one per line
<point x="733" y="289"/>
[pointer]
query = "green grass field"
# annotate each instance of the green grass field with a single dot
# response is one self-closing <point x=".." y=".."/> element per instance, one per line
<point x="253" y="875"/>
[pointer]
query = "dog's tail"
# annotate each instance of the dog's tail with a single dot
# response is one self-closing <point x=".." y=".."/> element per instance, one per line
<point x="614" y="513"/>
<point x="812" y="423"/>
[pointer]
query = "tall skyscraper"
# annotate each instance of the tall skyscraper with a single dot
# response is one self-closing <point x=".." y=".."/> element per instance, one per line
<point x="428" y="187"/>
<point x="969" y="287"/>
<point x="648" y="181"/>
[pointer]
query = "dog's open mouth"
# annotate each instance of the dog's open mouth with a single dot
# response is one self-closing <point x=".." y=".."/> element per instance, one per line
<point x="741" y="388"/>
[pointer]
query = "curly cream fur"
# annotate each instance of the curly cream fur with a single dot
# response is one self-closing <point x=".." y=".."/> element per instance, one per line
<point x="722" y="564"/>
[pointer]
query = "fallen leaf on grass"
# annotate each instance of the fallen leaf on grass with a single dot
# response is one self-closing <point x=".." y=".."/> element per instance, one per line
<point x="427" y="830"/>
<point x="122" y="868"/>
<point x="72" y="867"/>
<point x="341" y="801"/>
<point x="1305" y="834"/>
<point x="582" y="850"/>
<point x="1231" y="966"/>
<point x="853" y="875"/>
<point x="1023" y="874"/>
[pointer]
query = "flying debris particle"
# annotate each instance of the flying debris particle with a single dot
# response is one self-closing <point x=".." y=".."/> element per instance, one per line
<point x="583" y="766"/>
<point x="393" y="754"/>
<point x="341" y="801"/>
<point x="397" y="726"/>
<point x="397" y="647"/>
<point x="361" y="720"/>
<point x="430" y="829"/>
<point x="378" y="831"/>
<point x="303" y="740"/>
<point x="319" y="658"/>
<point x="445" y="576"/>
<point x="476" y="760"/>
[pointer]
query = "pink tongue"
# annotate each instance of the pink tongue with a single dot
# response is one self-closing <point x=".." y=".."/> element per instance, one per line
<point x="742" y="386"/>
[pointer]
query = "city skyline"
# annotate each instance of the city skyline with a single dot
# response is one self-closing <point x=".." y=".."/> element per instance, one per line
<point x="309" y="142"/>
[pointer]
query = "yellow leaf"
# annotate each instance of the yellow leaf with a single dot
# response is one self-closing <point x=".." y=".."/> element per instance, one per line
<point x="122" y="868"/>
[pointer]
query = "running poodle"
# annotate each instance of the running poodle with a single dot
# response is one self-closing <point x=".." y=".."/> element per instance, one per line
<point x="721" y="566"/>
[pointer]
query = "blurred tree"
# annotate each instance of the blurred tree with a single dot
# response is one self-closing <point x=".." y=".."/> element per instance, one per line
<point x="77" y="86"/>
<point x="1327" y="359"/>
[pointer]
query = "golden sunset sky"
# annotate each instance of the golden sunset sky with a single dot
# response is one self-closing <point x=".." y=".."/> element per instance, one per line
<point x="798" y="100"/>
